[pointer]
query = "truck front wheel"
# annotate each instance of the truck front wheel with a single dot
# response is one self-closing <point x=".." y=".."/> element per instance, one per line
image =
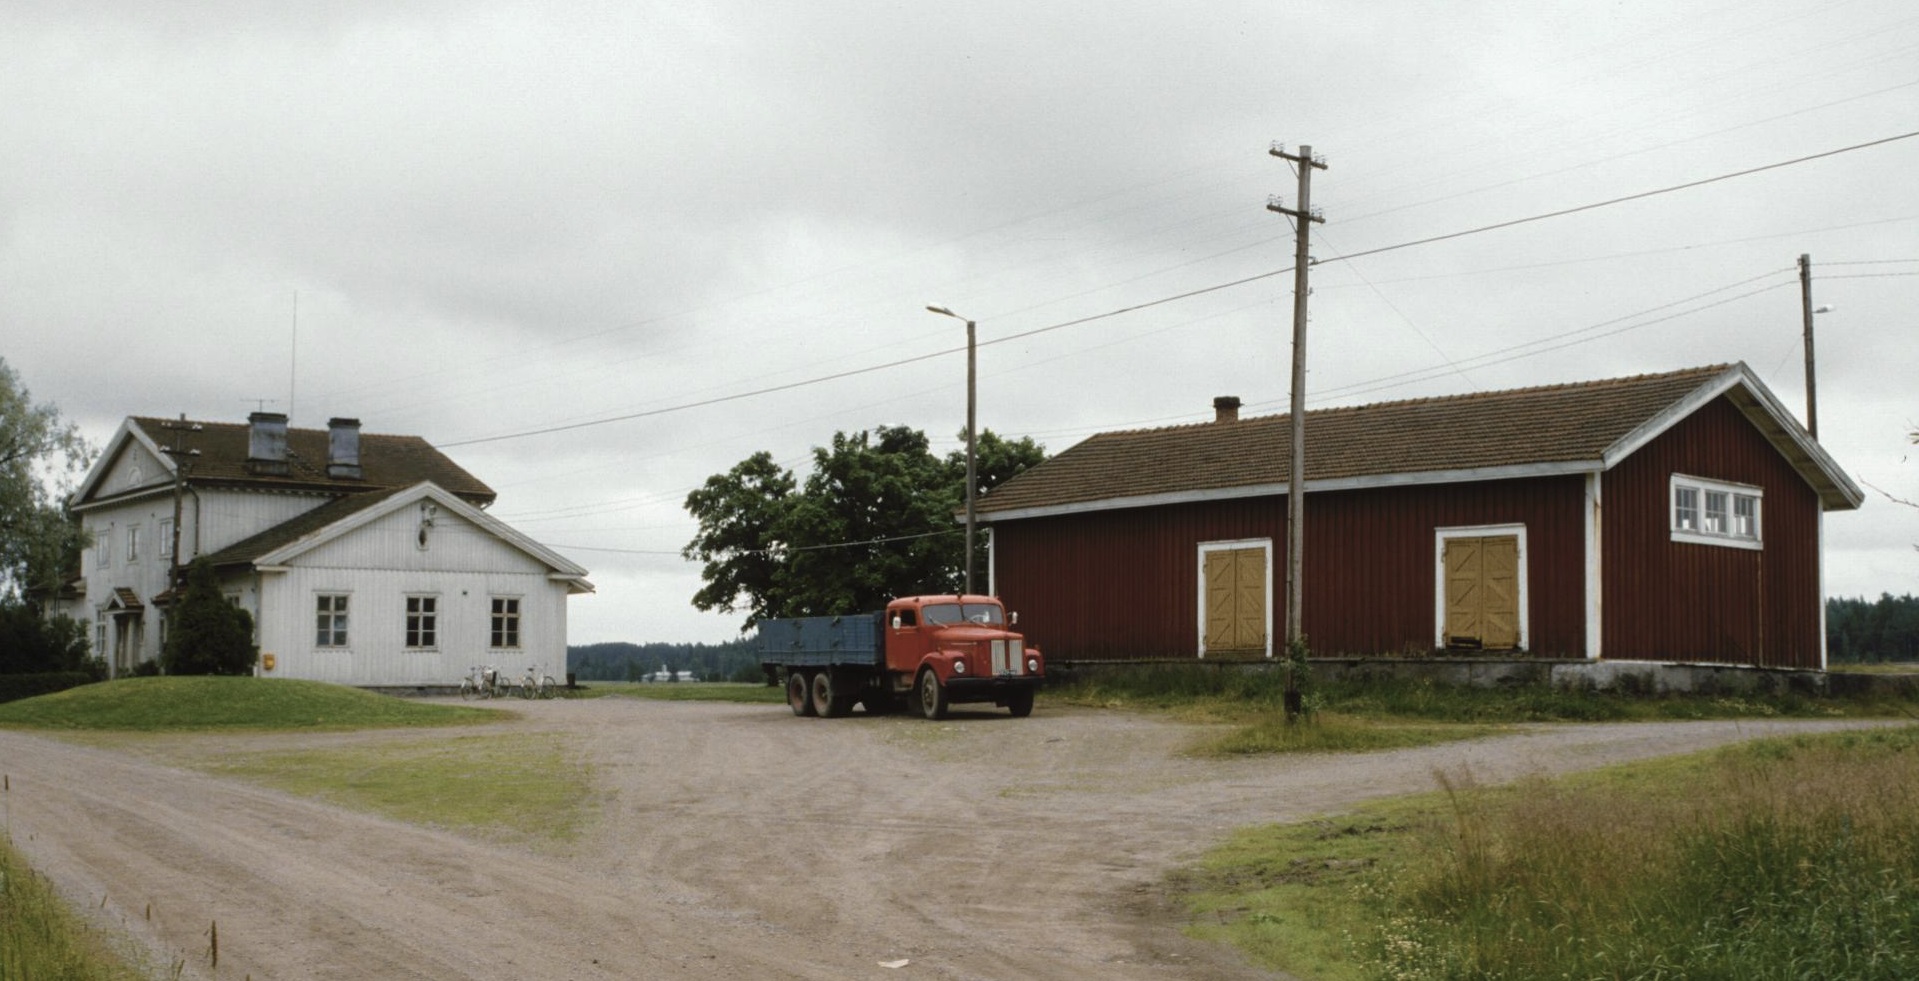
<point x="1020" y="703"/>
<point x="799" y="694"/>
<point x="932" y="695"/>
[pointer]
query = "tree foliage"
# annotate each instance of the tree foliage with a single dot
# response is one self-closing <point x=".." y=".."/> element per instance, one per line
<point x="873" y="519"/>
<point x="40" y="460"/>
<point x="1859" y="631"/>
<point x="207" y="634"/>
<point x="32" y="644"/>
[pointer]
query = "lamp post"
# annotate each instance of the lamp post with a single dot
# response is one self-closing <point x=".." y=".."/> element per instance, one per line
<point x="972" y="401"/>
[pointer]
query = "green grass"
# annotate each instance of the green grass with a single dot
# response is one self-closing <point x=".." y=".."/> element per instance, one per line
<point x="1373" y="714"/>
<point x="689" y="691"/>
<point x="43" y="940"/>
<point x="525" y="787"/>
<point x="1785" y="858"/>
<point x="163" y="704"/>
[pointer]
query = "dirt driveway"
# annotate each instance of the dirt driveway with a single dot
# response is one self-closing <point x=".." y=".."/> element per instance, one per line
<point x="734" y="841"/>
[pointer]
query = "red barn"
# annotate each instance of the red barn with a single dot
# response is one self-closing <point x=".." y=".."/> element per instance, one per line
<point x="1670" y="517"/>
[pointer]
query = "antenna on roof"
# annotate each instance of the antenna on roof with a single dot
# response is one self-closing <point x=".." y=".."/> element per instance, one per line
<point x="260" y="405"/>
<point x="293" y="358"/>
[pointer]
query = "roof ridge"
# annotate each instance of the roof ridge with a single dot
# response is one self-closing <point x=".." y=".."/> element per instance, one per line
<point x="1703" y="371"/>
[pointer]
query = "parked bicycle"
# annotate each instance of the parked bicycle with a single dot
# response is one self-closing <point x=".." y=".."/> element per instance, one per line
<point x="483" y="681"/>
<point x="536" y="686"/>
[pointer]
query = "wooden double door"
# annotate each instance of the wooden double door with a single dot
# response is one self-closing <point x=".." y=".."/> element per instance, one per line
<point x="1482" y="592"/>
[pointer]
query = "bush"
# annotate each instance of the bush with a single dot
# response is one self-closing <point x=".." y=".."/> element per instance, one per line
<point x="32" y="644"/>
<point x="208" y="635"/>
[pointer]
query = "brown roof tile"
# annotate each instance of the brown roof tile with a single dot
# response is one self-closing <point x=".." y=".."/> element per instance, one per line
<point x="1553" y="424"/>
<point x="385" y="461"/>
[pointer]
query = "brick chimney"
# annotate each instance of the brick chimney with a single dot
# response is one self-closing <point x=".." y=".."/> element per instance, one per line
<point x="343" y="448"/>
<point x="267" y="442"/>
<point x="1226" y="408"/>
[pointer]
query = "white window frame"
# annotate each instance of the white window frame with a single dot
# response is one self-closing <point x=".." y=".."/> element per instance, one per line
<point x="166" y="538"/>
<point x="1440" y="537"/>
<point x="517" y="617"/>
<point x="103" y="546"/>
<point x="1703" y="490"/>
<point x="133" y="543"/>
<point x="342" y="638"/>
<point x="426" y="607"/>
<point x="1200" y="577"/>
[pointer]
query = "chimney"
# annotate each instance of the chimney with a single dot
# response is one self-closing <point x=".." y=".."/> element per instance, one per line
<point x="343" y="448"/>
<point x="1226" y="408"/>
<point x="267" y="442"/>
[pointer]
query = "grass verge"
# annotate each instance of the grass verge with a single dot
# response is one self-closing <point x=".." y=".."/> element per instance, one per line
<point x="523" y="787"/>
<point x="1390" y="714"/>
<point x="163" y="704"/>
<point x="41" y="939"/>
<point x="1783" y="858"/>
<point x="688" y="691"/>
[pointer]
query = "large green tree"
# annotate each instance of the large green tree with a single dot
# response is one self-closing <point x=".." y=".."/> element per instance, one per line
<point x="40" y="459"/>
<point x="873" y="519"/>
<point x="208" y="634"/>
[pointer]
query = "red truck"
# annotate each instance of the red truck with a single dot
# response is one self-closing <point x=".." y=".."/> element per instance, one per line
<point x="935" y="651"/>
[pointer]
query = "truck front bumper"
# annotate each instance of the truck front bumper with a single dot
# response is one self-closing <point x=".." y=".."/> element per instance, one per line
<point x="997" y="690"/>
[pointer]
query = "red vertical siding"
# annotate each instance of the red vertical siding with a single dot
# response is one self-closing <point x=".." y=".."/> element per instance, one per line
<point x="1681" y="601"/>
<point x="1124" y="584"/>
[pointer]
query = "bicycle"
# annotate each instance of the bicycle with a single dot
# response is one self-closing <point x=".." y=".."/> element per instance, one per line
<point x="537" y="686"/>
<point x="482" y="681"/>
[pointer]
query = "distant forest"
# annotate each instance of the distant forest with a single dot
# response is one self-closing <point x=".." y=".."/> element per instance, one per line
<point x="1859" y="631"/>
<point x="735" y="660"/>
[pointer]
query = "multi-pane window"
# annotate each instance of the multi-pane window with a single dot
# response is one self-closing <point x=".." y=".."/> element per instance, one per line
<point x="422" y="621"/>
<point x="332" y="621"/>
<point x="102" y="546"/>
<point x="133" y="543"/>
<point x="166" y="538"/>
<point x="506" y="621"/>
<point x="1711" y="512"/>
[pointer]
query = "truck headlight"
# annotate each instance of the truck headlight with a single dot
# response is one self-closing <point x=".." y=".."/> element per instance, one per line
<point x="1032" y="665"/>
<point x="959" y="667"/>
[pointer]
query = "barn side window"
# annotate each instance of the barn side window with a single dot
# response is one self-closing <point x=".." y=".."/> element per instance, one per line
<point x="1712" y="512"/>
<point x="422" y="621"/>
<point x="330" y="617"/>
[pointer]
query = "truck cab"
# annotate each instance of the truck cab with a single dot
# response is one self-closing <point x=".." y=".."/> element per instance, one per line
<point x="949" y="649"/>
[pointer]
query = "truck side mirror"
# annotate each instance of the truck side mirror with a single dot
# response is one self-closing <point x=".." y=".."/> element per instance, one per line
<point x="896" y="621"/>
<point x="1012" y="619"/>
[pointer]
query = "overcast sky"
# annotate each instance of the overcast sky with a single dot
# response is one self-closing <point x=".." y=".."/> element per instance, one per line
<point x="465" y="220"/>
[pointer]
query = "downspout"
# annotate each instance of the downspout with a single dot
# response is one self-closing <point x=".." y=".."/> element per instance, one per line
<point x="1595" y="511"/>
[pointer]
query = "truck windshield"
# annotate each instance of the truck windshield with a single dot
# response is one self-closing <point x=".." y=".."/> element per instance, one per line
<point x="944" y="613"/>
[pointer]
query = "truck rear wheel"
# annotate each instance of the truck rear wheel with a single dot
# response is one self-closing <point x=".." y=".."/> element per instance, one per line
<point x="932" y="695"/>
<point x="828" y="701"/>
<point x="799" y="693"/>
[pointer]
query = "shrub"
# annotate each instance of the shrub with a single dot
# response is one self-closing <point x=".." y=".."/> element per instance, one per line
<point x="33" y="644"/>
<point x="208" y="635"/>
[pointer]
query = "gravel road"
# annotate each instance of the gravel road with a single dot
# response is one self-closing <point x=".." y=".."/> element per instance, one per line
<point x="733" y="841"/>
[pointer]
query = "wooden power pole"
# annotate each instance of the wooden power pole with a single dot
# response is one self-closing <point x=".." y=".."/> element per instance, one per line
<point x="1806" y="311"/>
<point x="1303" y="217"/>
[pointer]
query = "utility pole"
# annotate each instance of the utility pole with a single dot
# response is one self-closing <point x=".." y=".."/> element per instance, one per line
<point x="1303" y="217"/>
<point x="1806" y="311"/>
<point x="182" y="457"/>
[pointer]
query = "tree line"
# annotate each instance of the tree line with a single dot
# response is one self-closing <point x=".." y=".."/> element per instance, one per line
<point x="734" y="660"/>
<point x="1861" y="631"/>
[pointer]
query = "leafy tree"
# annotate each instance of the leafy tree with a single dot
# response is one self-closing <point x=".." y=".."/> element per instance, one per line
<point x="40" y="458"/>
<point x="32" y="644"/>
<point x="207" y="634"/>
<point x="873" y="519"/>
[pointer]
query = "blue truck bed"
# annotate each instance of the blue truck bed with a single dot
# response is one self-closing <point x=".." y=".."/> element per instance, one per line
<point x="817" y="642"/>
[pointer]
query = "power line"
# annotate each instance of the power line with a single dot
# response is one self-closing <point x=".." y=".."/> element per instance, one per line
<point x="1188" y="294"/>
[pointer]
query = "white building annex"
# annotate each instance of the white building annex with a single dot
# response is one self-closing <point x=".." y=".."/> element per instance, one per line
<point x="365" y="560"/>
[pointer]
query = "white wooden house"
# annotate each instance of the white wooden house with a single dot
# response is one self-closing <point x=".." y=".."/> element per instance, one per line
<point x="364" y="559"/>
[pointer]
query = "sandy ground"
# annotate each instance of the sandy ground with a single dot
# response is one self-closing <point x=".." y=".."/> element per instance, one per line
<point x="733" y="841"/>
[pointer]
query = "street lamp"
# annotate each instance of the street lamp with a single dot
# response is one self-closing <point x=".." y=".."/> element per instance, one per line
<point x="972" y="481"/>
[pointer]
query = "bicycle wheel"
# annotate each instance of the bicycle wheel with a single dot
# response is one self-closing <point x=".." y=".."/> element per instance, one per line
<point x="466" y="689"/>
<point x="548" y="687"/>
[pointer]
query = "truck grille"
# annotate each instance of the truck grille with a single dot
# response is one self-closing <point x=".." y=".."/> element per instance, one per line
<point x="1009" y="657"/>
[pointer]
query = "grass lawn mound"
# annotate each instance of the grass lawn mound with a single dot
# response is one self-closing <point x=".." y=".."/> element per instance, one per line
<point x="177" y="703"/>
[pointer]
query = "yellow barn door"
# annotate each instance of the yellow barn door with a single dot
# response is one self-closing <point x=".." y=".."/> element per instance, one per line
<point x="1236" y="601"/>
<point x="1482" y="592"/>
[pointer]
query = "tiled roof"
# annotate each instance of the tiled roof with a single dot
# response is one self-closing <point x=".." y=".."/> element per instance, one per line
<point x="299" y="526"/>
<point x="385" y="461"/>
<point x="1483" y="431"/>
